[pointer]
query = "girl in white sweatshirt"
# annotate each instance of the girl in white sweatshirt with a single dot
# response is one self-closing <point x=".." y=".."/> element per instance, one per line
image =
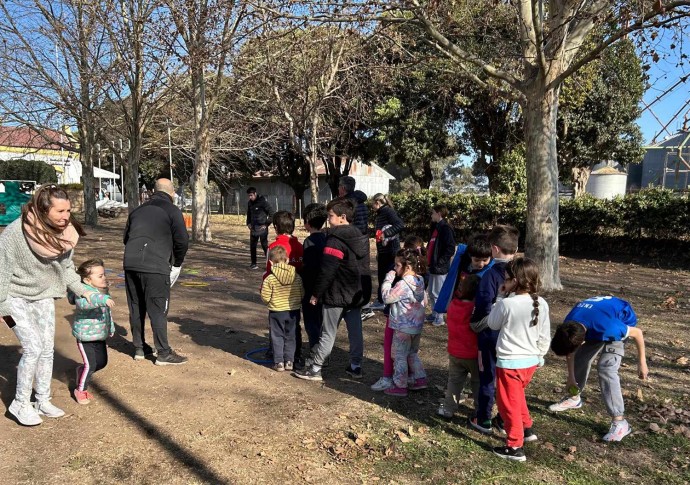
<point x="525" y="331"/>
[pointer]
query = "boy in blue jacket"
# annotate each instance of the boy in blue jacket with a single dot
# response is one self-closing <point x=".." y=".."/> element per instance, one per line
<point x="504" y="245"/>
<point x="472" y="258"/>
<point x="599" y="326"/>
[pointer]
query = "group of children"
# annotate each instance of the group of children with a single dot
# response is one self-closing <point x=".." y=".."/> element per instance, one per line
<point x="498" y="326"/>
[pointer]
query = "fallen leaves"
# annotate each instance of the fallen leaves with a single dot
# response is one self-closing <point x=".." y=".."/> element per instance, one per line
<point x="682" y="360"/>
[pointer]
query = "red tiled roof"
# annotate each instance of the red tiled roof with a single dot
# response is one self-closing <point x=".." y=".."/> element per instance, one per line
<point x="25" y="137"/>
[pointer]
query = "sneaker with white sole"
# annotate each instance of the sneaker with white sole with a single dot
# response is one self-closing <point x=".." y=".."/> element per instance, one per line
<point x="382" y="384"/>
<point x="25" y="413"/>
<point x="439" y="321"/>
<point x="619" y="429"/>
<point x="367" y="314"/>
<point x="529" y="435"/>
<point x="354" y="372"/>
<point x="309" y="373"/>
<point x="510" y="453"/>
<point x="46" y="408"/>
<point x="566" y="404"/>
<point x="484" y="428"/>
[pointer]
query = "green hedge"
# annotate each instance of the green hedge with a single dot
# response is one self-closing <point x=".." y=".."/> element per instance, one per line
<point x="649" y="214"/>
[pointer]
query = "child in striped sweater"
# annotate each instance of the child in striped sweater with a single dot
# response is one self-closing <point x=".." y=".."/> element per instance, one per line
<point x="282" y="291"/>
<point x="92" y="324"/>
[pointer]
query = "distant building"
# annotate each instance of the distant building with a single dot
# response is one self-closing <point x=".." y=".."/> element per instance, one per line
<point x="370" y="179"/>
<point x="23" y="143"/>
<point x="665" y="164"/>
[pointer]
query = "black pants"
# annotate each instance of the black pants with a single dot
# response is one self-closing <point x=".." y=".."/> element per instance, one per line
<point x="385" y="262"/>
<point x="148" y="293"/>
<point x="95" y="357"/>
<point x="313" y="318"/>
<point x="253" y="241"/>
<point x="283" y="326"/>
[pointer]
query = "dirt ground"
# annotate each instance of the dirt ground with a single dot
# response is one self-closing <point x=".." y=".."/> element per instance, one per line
<point x="224" y="419"/>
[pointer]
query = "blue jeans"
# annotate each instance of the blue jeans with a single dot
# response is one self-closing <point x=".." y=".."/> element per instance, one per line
<point x="486" y="341"/>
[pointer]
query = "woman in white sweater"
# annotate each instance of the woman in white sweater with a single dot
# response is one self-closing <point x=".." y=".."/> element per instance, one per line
<point x="36" y="268"/>
<point x="525" y="332"/>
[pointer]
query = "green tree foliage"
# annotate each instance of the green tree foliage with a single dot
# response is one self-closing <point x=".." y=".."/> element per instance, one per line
<point x="35" y="170"/>
<point x="597" y="114"/>
<point x="414" y="125"/>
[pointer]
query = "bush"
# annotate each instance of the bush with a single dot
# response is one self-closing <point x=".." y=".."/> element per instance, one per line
<point x="651" y="214"/>
<point x="36" y="170"/>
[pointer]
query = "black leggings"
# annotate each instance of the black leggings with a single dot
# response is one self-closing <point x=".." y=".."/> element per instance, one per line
<point x="95" y="356"/>
<point x="385" y="263"/>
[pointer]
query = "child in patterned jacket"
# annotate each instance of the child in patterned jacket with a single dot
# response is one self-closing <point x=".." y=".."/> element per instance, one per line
<point x="93" y="323"/>
<point x="407" y="301"/>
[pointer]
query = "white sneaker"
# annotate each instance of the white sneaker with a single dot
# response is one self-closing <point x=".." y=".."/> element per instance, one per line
<point x="618" y="430"/>
<point x="25" y="414"/>
<point x="439" y="321"/>
<point x="382" y="384"/>
<point x="566" y="403"/>
<point x="47" y="409"/>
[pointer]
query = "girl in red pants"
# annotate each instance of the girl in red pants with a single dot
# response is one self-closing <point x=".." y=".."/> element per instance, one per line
<point x="522" y="317"/>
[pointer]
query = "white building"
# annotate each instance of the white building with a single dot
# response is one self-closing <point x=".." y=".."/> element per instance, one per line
<point x="370" y="179"/>
<point x="23" y="143"/>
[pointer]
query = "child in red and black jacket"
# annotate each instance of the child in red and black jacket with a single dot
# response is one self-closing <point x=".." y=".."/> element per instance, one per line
<point x="343" y="286"/>
<point x="284" y="225"/>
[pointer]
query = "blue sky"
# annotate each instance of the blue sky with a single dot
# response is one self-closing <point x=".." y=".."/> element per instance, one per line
<point x="662" y="75"/>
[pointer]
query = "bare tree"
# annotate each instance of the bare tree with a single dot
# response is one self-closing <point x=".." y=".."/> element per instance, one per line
<point x="137" y="93"/>
<point x="209" y="35"/>
<point x="55" y="62"/>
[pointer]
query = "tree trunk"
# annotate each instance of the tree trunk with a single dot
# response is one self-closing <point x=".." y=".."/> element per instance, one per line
<point x="313" y="159"/>
<point x="86" y="154"/>
<point x="201" y="229"/>
<point x="426" y="176"/>
<point x="131" y="181"/>
<point x="541" y="243"/>
<point x="580" y="178"/>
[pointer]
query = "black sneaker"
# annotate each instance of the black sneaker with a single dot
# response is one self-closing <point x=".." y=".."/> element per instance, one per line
<point x="171" y="359"/>
<point x="308" y="374"/>
<point x="529" y="435"/>
<point x="509" y="453"/>
<point x="141" y="354"/>
<point x="497" y="425"/>
<point x="355" y="373"/>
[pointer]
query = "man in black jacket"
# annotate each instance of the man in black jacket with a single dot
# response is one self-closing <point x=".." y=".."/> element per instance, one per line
<point x="343" y="286"/>
<point x="259" y="213"/>
<point x="346" y="189"/>
<point x="156" y="243"/>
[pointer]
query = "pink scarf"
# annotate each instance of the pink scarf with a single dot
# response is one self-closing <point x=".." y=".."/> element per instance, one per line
<point x="68" y="239"/>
